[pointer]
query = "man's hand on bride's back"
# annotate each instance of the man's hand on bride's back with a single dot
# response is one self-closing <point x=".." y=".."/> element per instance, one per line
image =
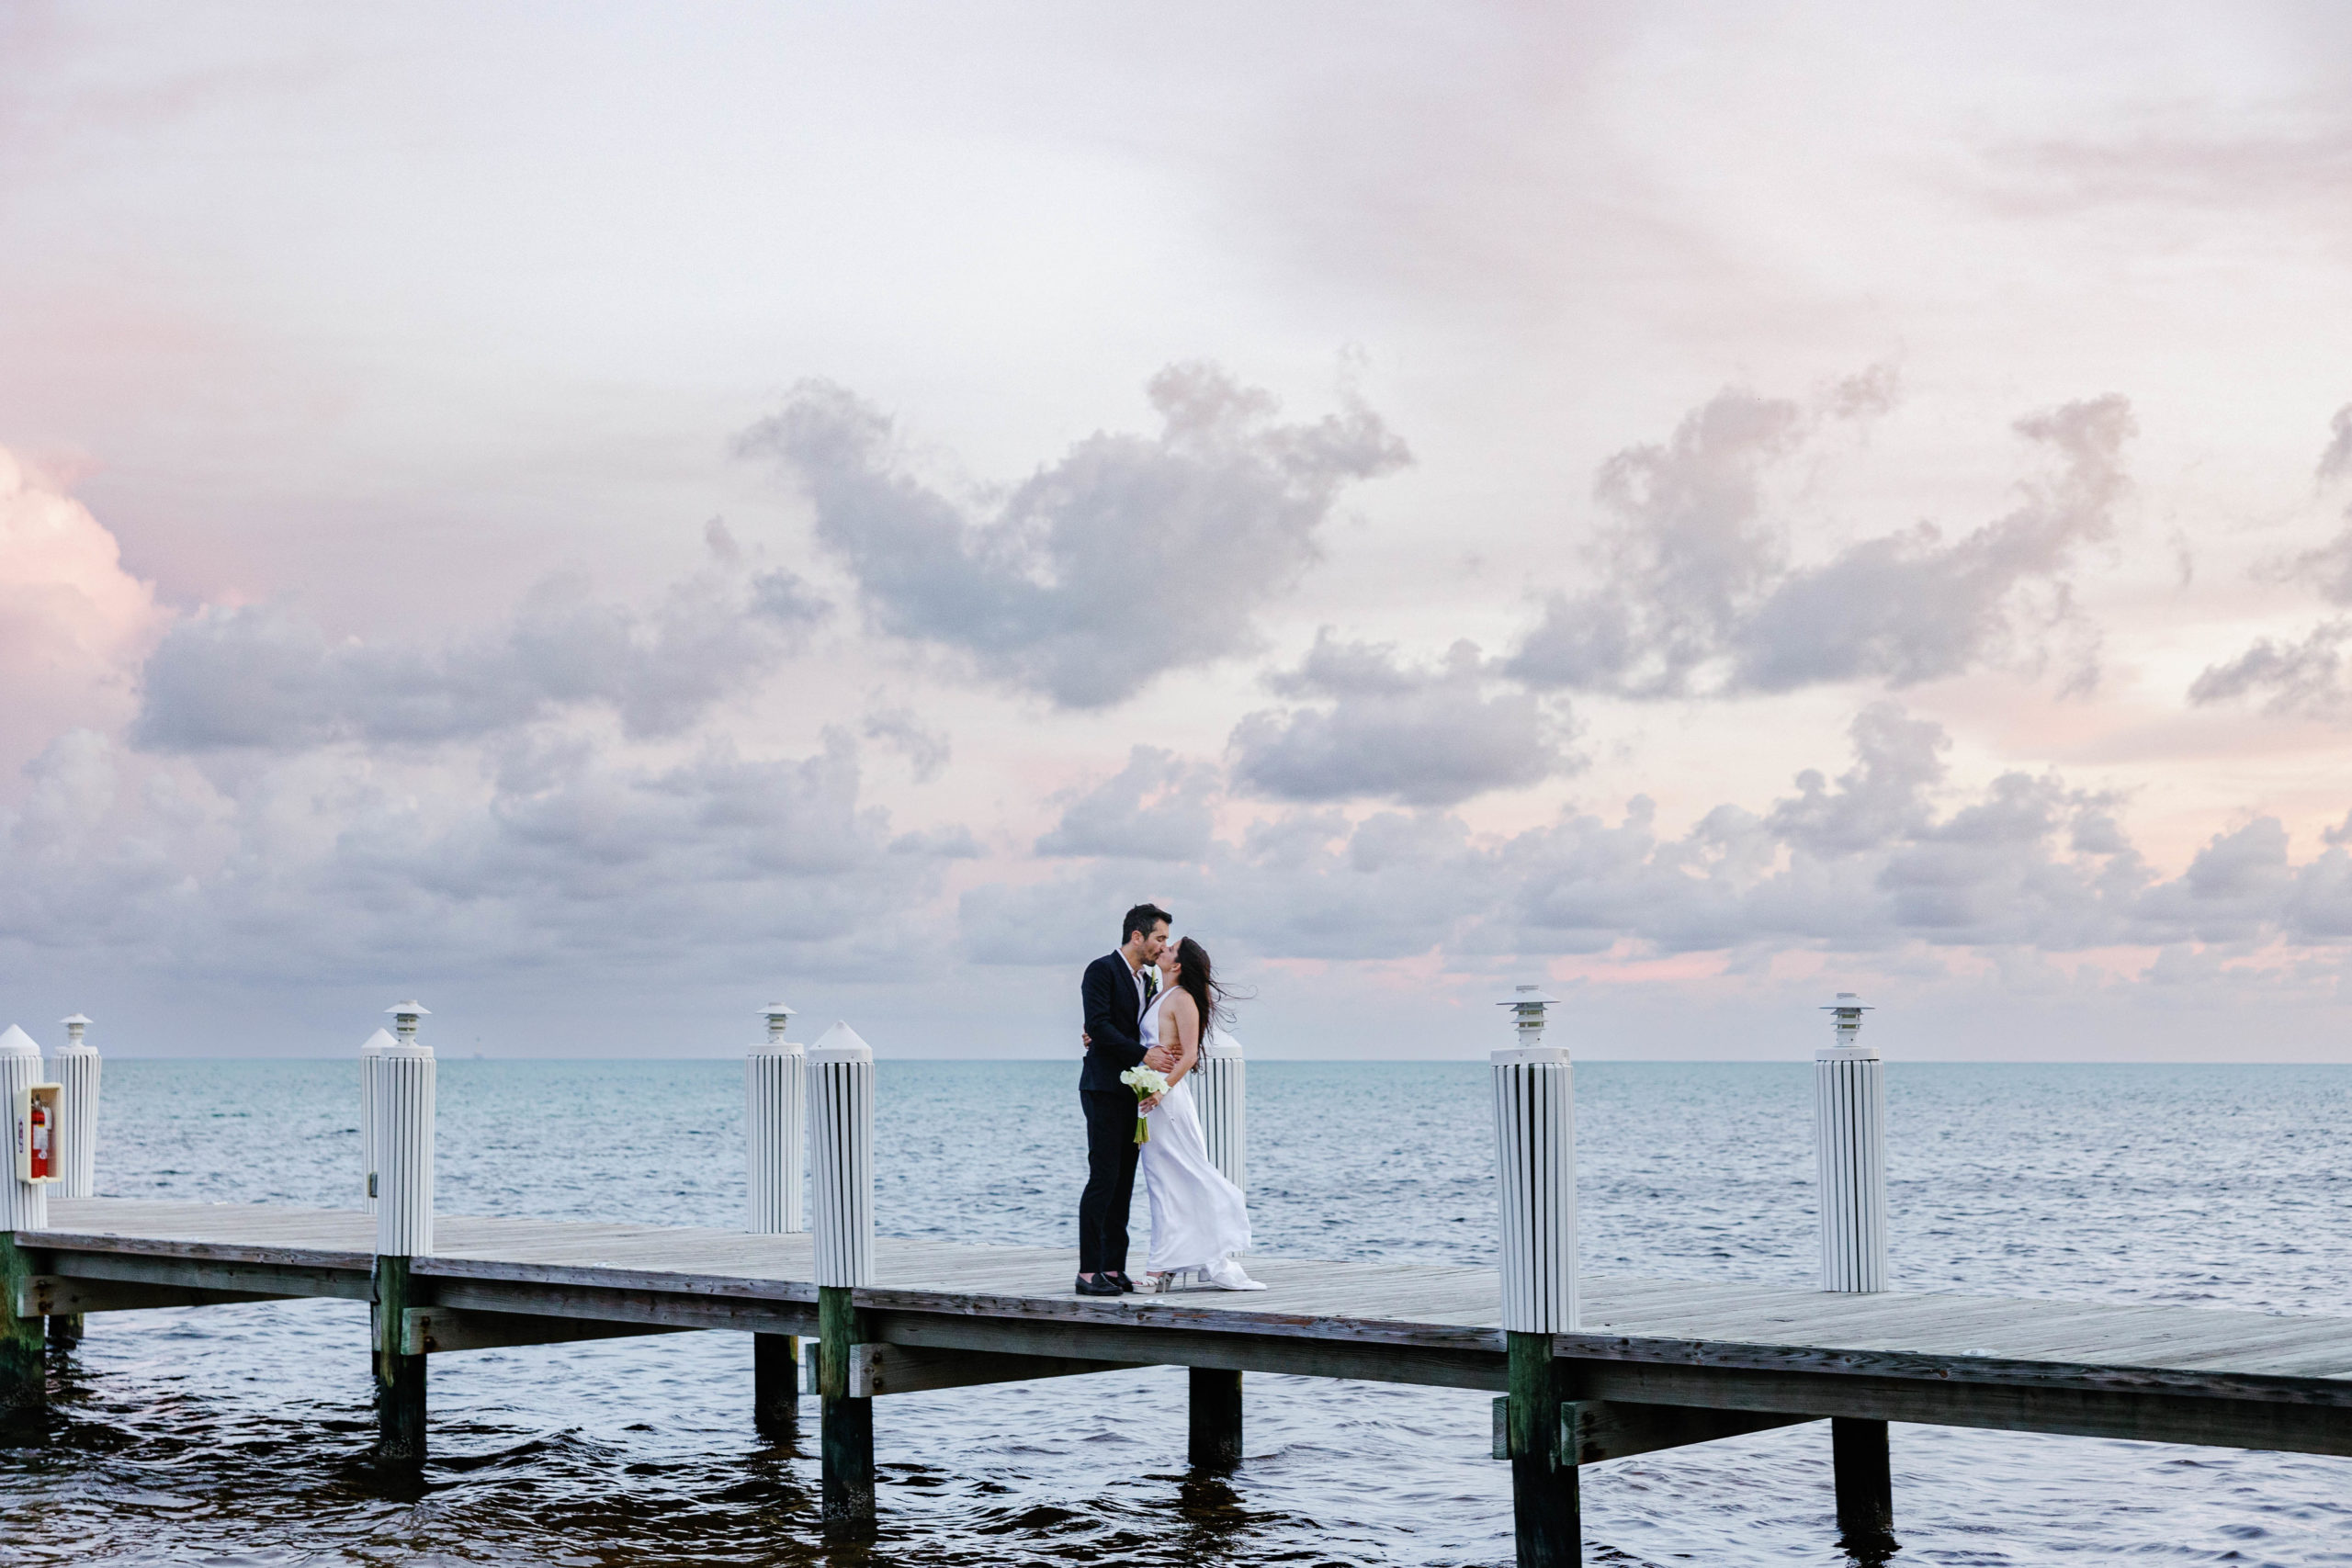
<point x="1161" y="1058"/>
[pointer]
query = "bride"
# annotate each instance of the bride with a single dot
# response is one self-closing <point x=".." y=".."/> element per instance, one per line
<point x="1198" y="1220"/>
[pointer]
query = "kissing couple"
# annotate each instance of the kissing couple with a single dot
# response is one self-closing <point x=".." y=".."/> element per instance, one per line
<point x="1153" y="1004"/>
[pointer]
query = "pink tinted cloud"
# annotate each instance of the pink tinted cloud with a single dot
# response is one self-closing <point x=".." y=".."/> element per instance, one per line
<point x="74" y="625"/>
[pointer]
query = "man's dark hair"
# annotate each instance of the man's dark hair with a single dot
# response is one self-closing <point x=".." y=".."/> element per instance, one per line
<point x="1142" y="917"/>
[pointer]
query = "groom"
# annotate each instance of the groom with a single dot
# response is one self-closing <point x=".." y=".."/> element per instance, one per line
<point x="1117" y="987"/>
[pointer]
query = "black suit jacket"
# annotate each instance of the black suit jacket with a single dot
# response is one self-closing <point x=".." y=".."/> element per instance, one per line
<point x="1114" y="1021"/>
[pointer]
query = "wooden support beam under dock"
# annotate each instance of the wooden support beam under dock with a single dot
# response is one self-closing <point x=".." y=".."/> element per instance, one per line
<point x="1654" y="1363"/>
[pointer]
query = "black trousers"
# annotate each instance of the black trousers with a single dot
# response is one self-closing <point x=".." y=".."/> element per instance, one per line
<point x="1110" y="1192"/>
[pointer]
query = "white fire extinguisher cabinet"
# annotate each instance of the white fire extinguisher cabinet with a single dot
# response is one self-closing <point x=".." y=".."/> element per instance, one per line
<point x="38" y="1107"/>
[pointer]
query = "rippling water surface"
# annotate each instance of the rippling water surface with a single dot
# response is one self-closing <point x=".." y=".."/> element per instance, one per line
<point x="234" y="1435"/>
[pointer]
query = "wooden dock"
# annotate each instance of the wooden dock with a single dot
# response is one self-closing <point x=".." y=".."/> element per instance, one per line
<point x="1655" y="1364"/>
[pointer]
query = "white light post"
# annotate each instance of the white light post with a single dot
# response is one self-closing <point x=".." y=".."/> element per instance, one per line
<point x="1850" y="1139"/>
<point x="774" y="1119"/>
<point x="1536" y="1144"/>
<point x="78" y="1070"/>
<point x="404" y="1089"/>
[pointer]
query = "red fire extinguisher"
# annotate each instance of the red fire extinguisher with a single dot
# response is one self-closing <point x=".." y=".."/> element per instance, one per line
<point x="39" y="1161"/>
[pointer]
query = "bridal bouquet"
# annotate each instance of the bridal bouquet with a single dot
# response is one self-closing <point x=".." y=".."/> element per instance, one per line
<point x="1145" y="1082"/>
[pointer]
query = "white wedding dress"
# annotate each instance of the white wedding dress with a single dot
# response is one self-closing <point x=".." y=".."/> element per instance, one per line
<point x="1198" y="1220"/>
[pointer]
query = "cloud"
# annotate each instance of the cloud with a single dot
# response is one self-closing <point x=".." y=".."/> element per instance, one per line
<point x="2336" y="461"/>
<point x="564" y="863"/>
<point x="1886" y="857"/>
<point x="2306" y="679"/>
<point x="1158" y="808"/>
<point x="263" y="677"/>
<point x="1130" y="557"/>
<point x="1422" y="736"/>
<point x="2301" y="679"/>
<point x="1698" y="596"/>
<point x="925" y="749"/>
<point x="73" y="624"/>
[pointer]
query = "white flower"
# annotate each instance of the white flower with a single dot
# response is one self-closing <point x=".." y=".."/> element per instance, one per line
<point x="1144" y="1081"/>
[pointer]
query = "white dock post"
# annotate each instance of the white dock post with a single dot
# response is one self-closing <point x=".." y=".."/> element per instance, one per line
<point x="1850" y="1139"/>
<point x="77" y="1072"/>
<point x="1222" y="1083"/>
<point x="75" y="1069"/>
<point x="404" y="1230"/>
<point x="372" y="1062"/>
<point x="1536" y="1150"/>
<point x="841" y="1148"/>
<point x="1849" y="1142"/>
<point x="23" y="1205"/>
<point x="775" y="1123"/>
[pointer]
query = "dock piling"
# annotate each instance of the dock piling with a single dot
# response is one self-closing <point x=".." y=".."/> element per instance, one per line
<point x="23" y="1205"/>
<point x="775" y="1129"/>
<point x="403" y="1119"/>
<point x="841" y="1125"/>
<point x="1216" y="1418"/>
<point x="1865" y="1484"/>
<point x="1536" y="1150"/>
<point x="1849" y="1137"/>
<point x="76" y="1068"/>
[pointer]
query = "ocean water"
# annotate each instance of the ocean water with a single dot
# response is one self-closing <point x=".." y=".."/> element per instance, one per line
<point x="235" y="1435"/>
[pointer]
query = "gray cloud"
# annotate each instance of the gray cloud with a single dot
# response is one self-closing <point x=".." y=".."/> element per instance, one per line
<point x="1885" y="856"/>
<point x="1130" y="557"/>
<point x="925" y="750"/>
<point x="1158" y="808"/>
<point x="1422" y="736"/>
<point x="2306" y="679"/>
<point x="263" y="677"/>
<point x="2336" y="461"/>
<point x="2302" y="680"/>
<point x="564" y="863"/>
<point x="1697" y="595"/>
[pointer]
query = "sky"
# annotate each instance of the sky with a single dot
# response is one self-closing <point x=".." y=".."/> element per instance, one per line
<point x="603" y="518"/>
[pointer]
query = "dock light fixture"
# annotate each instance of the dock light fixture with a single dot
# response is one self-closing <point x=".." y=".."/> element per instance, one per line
<point x="1849" y="1137"/>
<point x="774" y="1125"/>
<point x="77" y="1070"/>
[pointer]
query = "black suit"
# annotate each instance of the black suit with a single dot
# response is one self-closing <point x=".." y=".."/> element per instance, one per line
<point x="1115" y="1024"/>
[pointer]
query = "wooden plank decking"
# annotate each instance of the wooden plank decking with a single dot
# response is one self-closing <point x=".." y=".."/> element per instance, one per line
<point x="2176" y="1373"/>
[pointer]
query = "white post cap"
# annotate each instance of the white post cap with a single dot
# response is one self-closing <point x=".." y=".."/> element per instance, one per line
<point x="16" y="1042"/>
<point x="839" y="1044"/>
<point x="1529" y="1056"/>
<point x="74" y="1024"/>
<point x="380" y="1041"/>
<point x="1222" y="1044"/>
<point x="409" y="1009"/>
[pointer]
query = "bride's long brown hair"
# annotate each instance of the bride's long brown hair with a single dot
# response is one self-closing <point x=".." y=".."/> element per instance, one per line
<point x="1197" y="979"/>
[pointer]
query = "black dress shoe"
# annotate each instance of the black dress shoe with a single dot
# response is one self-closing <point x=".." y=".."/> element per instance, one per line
<point x="1119" y="1278"/>
<point x="1101" y="1285"/>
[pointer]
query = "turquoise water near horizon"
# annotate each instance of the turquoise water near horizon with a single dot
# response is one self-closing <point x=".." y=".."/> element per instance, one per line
<point x="231" y="1434"/>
